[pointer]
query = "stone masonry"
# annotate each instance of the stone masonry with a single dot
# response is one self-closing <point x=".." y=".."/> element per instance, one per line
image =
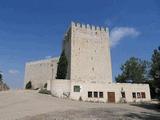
<point x="39" y="72"/>
<point x="88" y="53"/>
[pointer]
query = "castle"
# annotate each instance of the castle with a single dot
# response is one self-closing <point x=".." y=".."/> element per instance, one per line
<point x="89" y="71"/>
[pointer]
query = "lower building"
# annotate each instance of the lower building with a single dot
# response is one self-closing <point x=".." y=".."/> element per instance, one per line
<point x="97" y="92"/>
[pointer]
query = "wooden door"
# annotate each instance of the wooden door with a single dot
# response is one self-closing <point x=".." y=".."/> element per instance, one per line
<point x="111" y="97"/>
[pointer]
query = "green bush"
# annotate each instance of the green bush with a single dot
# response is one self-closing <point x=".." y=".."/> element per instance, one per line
<point x="45" y="85"/>
<point x="44" y="91"/>
<point x="80" y="98"/>
<point x="29" y="85"/>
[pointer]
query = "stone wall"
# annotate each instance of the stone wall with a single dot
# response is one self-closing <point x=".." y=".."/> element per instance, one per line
<point x="89" y="53"/>
<point x="39" y="72"/>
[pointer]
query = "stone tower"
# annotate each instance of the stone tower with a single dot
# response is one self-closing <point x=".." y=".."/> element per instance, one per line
<point x="88" y="53"/>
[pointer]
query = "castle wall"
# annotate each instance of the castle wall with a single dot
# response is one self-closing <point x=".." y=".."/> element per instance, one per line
<point x="38" y="72"/>
<point x="90" y="54"/>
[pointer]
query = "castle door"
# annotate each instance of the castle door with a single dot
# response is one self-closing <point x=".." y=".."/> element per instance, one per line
<point x="111" y="97"/>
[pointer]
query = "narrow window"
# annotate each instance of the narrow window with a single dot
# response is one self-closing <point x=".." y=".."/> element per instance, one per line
<point x="89" y="94"/>
<point x="138" y="95"/>
<point x="123" y="94"/>
<point x="143" y="94"/>
<point x="76" y="88"/>
<point x="92" y="68"/>
<point x="134" y="95"/>
<point x="101" y="94"/>
<point x="95" y="94"/>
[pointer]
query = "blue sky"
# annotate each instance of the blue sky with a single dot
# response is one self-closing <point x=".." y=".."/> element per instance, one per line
<point x="34" y="29"/>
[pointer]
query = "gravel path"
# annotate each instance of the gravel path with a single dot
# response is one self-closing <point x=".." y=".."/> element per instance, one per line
<point x="30" y="105"/>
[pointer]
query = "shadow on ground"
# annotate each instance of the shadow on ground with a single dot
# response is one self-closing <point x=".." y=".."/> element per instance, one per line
<point x="145" y="115"/>
<point x="155" y="107"/>
<point x="142" y="116"/>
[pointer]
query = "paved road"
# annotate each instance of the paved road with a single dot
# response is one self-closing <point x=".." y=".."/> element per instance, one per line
<point x="30" y="105"/>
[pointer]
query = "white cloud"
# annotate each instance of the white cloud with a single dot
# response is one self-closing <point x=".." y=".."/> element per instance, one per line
<point x="13" y="71"/>
<point x="118" y="33"/>
<point x="48" y="57"/>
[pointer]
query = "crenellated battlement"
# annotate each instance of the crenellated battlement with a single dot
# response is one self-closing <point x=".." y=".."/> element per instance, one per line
<point x="89" y="27"/>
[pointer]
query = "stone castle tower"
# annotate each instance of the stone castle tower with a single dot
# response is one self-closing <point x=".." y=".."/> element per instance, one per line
<point x="89" y="74"/>
<point x="88" y="53"/>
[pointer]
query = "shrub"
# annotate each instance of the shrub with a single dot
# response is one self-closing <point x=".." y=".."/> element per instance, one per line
<point x="44" y="91"/>
<point x="45" y="85"/>
<point x="29" y="85"/>
<point x="80" y="98"/>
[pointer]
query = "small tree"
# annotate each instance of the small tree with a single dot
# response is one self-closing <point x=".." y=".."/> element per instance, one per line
<point x="29" y="85"/>
<point x="62" y="66"/>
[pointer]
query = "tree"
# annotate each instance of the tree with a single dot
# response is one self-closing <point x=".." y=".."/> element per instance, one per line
<point x="62" y="66"/>
<point x="155" y="69"/>
<point x="152" y="88"/>
<point x="1" y="77"/>
<point x="134" y="70"/>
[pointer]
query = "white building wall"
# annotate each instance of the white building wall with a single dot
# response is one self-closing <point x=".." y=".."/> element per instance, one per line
<point x="59" y="87"/>
<point x="65" y="88"/>
<point x="113" y="87"/>
<point x="39" y="72"/>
